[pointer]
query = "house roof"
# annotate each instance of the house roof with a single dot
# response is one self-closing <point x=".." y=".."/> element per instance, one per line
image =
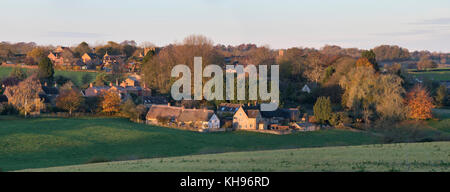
<point x="284" y="113"/>
<point x="155" y="100"/>
<point x="229" y="107"/>
<point x="253" y="113"/>
<point x="50" y="90"/>
<point x="156" y="111"/>
<point x="195" y="115"/>
<point x="92" y="55"/>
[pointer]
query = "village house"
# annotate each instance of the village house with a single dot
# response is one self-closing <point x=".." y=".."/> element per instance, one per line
<point x="228" y="108"/>
<point x="61" y="56"/>
<point x="158" y="113"/>
<point x="94" y="91"/>
<point x="250" y="119"/>
<point x="127" y="87"/>
<point x="109" y="61"/>
<point x="281" y="116"/>
<point x="200" y="119"/>
<point x="154" y="100"/>
<point x="91" y="60"/>
<point x="49" y="93"/>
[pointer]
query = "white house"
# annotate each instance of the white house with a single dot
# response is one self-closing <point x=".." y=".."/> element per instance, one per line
<point x="306" y="89"/>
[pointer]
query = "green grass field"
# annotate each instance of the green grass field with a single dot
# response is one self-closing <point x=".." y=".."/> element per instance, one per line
<point x="49" y="142"/>
<point x="74" y="76"/>
<point x="432" y="75"/>
<point x="380" y="157"/>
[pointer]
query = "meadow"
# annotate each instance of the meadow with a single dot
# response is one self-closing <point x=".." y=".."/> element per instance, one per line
<point x="403" y="157"/>
<point x="75" y="76"/>
<point x="50" y="142"/>
<point x="434" y="75"/>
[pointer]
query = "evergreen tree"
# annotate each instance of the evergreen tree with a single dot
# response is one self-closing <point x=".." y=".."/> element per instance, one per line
<point x="370" y="55"/>
<point x="322" y="109"/>
<point x="46" y="70"/>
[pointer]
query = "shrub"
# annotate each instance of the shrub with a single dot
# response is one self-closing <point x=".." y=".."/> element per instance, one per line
<point x="339" y="118"/>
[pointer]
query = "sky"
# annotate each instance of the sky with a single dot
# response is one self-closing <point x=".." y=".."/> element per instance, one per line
<point x="413" y="24"/>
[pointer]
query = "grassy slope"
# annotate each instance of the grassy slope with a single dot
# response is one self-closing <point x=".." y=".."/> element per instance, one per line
<point x="443" y="124"/>
<point x="380" y="157"/>
<point x="47" y="142"/>
<point x="74" y="76"/>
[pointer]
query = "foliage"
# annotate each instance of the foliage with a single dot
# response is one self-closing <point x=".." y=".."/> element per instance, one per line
<point x="426" y="63"/>
<point x="129" y="110"/>
<point x="110" y="102"/>
<point x="91" y="105"/>
<point x="38" y="53"/>
<point x="441" y="95"/>
<point x="371" y="57"/>
<point x="25" y="95"/>
<point x="389" y="97"/>
<point x="419" y="103"/>
<point x="10" y="81"/>
<point x="339" y="118"/>
<point x="61" y="80"/>
<point x="102" y="79"/>
<point x="69" y="99"/>
<point x="391" y="53"/>
<point x="45" y="69"/>
<point x="18" y="73"/>
<point x="322" y="110"/>
<point x="157" y="71"/>
<point x="366" y="92"/>
<point x="81" y="49"/>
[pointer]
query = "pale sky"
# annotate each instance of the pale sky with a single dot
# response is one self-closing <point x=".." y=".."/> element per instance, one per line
<point x="413" y="24"/>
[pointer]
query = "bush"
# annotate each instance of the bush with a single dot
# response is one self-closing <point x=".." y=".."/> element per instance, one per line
<point x="61" y="80"/>
<point x="339" y="119"/>
<point x="8" y="109"/>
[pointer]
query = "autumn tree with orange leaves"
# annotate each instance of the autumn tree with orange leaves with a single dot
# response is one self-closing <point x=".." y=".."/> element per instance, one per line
<point x="110" y="102"/>
<point x="419" y="103"/>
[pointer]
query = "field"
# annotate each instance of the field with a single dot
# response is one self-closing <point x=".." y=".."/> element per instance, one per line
<point x="436" y="75"/>
<point x="49" y="142"/>
<point x="74" y="76"/>
<point x="380" y="157"/>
